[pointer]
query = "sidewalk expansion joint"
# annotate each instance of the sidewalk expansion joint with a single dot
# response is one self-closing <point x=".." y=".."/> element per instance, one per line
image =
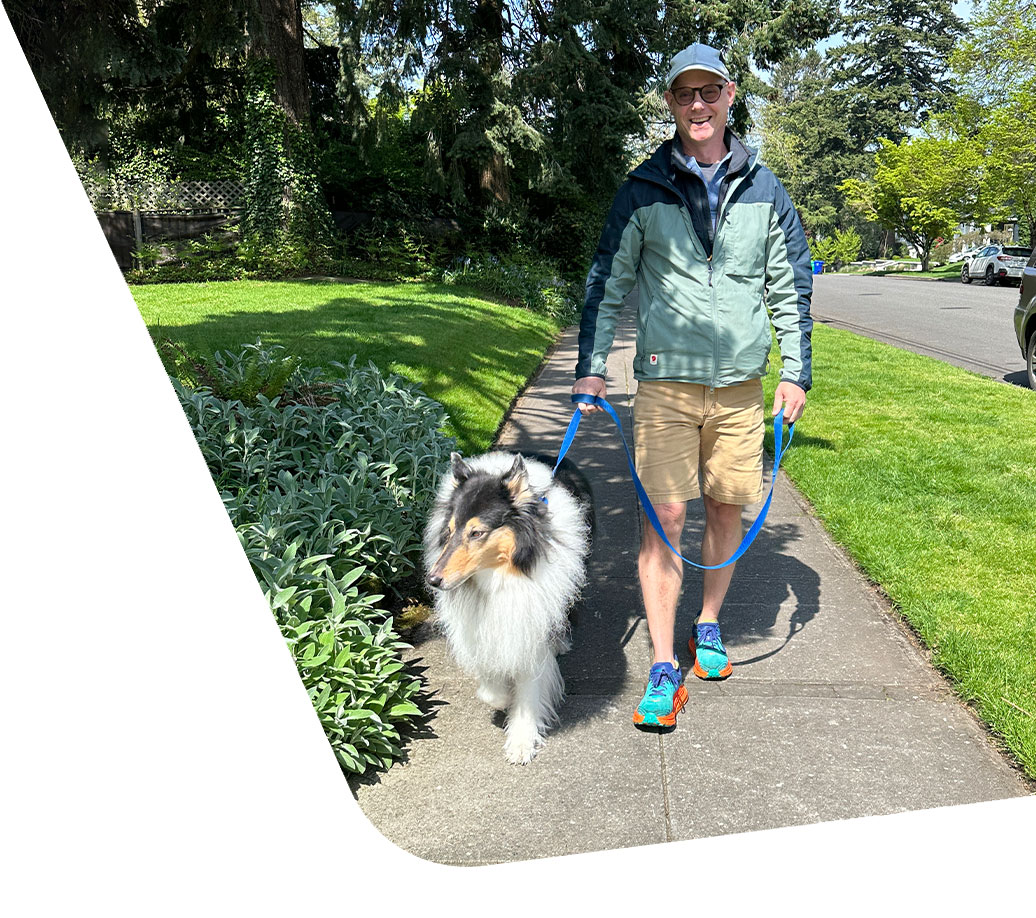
<point x="666" y="815"/>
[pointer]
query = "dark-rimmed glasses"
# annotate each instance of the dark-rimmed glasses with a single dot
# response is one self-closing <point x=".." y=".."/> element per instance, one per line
<point x="709" y="93"/>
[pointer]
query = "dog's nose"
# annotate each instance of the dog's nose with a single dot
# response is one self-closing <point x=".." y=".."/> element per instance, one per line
<point x="435" y="580"/>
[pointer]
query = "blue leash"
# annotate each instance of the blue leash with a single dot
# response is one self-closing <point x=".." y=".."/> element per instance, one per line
<point x="649" y="511"/>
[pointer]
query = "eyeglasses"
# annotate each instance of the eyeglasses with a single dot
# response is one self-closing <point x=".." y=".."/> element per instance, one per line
<point x="708" y="93"/>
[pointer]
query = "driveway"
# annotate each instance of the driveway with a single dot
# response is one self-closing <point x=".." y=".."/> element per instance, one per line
<point x="970" y="326"/>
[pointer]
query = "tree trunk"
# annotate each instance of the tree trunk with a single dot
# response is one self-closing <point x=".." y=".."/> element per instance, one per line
<point x="278" y="37"/>
<point x="494" y="176"/>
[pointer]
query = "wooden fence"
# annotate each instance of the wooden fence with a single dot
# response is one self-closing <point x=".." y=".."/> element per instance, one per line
<point x="132" y="214"/>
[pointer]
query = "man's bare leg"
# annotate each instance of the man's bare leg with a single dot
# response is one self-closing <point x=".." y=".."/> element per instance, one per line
<point x="722" y="536"/>
<point x="661" y="576"/>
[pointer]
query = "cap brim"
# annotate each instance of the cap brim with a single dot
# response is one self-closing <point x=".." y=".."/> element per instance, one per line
<point x="718" y="73"/>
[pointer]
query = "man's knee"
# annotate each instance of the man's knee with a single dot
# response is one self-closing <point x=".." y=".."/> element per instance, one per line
<point x="720" y="514"/>
<point x="672" y="517"/>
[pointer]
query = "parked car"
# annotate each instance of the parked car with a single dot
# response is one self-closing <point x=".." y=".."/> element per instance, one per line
<point x="962" y="255"/>
<point x="1025" y="319"/>
<point x="996" y="264"/>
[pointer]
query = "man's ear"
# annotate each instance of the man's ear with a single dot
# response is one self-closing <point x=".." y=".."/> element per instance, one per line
<point x="461" y="471"/>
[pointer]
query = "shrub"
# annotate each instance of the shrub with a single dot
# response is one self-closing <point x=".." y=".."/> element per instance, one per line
<point x="524" y="281"/>
<point x="328" y="483"/>
<point x="837" y="250"/>
<point x="212" y="258"/>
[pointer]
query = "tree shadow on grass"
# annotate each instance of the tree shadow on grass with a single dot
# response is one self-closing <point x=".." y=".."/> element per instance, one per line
<point x="429" y="342"/>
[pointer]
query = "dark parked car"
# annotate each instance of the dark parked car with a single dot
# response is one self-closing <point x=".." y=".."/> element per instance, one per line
<point x="1025" y="319"/>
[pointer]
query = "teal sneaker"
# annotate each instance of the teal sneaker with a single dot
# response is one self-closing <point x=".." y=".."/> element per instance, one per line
<point x="664" y="697"/>
<point x="710" y="656"/>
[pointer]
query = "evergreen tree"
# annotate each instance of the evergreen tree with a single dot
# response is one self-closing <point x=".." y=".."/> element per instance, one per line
<point x="807" y="143"/>
<point x="762" y="33"/>
<point x="893" y="65"/>
<point x="121" y="73"/>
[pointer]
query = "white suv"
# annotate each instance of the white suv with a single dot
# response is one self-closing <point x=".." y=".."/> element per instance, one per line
<point x="996" y="264"/>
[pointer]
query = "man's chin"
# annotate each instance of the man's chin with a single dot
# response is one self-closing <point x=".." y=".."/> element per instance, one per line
<point x="701" y="133"/>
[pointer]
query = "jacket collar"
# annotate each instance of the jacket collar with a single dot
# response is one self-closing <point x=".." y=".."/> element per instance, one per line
<point x="659" y="166"/>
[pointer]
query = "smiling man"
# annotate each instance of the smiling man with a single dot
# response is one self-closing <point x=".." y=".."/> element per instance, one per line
<point x="716" y="247"/>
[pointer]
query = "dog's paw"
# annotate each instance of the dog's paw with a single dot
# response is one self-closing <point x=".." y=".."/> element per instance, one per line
<point x="521" y="747"/>
<point x="495" y="696"/>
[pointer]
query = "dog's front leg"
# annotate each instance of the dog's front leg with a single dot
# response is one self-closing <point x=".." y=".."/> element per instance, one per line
<point x="536" y="697"/>
<point x="495" y="691"/>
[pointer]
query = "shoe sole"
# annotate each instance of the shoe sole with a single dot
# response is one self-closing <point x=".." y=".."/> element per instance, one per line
<point x="663" y="720"/>
<point x="707" y="674"/>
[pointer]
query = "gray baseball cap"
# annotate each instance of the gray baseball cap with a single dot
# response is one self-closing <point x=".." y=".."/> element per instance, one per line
<point x="697" y="57"/>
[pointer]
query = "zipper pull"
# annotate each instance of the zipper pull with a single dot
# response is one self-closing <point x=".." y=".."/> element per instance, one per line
<point x="710" y="270"/>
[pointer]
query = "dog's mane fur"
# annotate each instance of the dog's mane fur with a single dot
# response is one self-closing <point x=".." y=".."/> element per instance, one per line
<point x="502" y="619"/>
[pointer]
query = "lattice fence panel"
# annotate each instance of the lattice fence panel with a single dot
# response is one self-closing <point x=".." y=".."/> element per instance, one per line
<point x="112" y="194"/>
<point x="215" y="195"/>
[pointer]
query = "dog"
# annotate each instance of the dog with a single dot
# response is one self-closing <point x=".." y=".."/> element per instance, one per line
<point x="505" y="552"/>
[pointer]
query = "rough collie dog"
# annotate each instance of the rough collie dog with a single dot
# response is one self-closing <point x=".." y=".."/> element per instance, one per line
<point x="505" y="555"/>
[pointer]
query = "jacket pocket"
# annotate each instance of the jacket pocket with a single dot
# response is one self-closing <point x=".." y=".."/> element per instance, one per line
<point x="743" y="242"/>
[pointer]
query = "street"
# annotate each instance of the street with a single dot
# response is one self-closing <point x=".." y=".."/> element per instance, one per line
<point x="970" y="326"/>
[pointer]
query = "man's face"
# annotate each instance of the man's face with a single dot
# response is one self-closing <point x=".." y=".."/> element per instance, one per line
<point x="699" y="122"/>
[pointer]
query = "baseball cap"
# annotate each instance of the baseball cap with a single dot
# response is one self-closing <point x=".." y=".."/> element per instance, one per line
<point x="697" y="57"/>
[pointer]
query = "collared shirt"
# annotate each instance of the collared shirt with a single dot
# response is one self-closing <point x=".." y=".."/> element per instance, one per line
<point x="710" y="173"/>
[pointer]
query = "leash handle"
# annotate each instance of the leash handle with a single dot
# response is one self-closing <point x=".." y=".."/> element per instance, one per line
<point x="779" y="449"/>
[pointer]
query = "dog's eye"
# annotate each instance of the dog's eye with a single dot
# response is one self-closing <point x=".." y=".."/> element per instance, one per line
<point x="476" y="533"/>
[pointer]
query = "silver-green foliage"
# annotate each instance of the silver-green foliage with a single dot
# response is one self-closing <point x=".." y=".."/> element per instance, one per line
<point x="329" y="498"/>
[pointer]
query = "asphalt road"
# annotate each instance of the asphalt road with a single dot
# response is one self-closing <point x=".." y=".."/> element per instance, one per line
<point x="971" y="326"/>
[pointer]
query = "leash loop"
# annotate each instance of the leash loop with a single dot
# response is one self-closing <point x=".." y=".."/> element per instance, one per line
<point x="779" y="449"/>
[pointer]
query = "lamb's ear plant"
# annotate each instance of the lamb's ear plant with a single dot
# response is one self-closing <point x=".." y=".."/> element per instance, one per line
<point x="328" y="482"/>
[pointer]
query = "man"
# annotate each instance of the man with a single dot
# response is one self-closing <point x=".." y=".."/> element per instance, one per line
<point x="712" y="239"/>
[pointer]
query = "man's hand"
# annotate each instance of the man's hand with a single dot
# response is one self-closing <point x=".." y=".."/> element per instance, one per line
<point x="794" y="400"/>
<point x="589" y="385"/>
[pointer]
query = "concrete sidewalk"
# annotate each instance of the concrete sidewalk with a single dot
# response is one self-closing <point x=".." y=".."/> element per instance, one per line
<point x="832" y="711"/>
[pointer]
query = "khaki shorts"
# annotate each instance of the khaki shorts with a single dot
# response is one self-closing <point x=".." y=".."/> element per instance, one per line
<point x="678" y="426"/>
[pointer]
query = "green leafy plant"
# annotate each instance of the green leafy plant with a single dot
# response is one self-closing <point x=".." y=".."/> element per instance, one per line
<point x="838" y="250"/>
<point x="328" y="484"/>
<point x="525" y="281"/>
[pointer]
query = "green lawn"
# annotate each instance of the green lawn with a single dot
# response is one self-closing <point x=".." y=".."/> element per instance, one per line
<point x="925" y="473"/>
<point x="947" y="272"/>
<point x="471" y="354"/>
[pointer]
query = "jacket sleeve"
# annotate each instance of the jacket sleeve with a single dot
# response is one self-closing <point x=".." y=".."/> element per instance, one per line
<point x="612" y="276"/>
<point x="789" y="290"/>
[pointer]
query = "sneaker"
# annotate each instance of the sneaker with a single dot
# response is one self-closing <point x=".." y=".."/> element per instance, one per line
<point x="664" y="697"/>
<point x="710" y="656"/>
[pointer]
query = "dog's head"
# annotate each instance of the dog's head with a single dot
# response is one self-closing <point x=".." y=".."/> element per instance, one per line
<point x="490" y="521"/>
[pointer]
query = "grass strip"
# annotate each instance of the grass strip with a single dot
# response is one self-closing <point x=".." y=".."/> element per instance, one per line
<point x="469" y="353"/>
<point x="947" y="272"/>
<point x="925" y="473"/>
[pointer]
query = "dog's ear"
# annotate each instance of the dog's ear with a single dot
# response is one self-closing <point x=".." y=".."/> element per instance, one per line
<point x="461" y="472"/>
<point x="516" y="479"/>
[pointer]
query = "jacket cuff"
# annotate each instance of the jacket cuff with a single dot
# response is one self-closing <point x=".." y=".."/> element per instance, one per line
<point x="801" y="383"/>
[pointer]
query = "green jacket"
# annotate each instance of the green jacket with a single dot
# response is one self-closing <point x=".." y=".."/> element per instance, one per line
<point x="704" y="297"/>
